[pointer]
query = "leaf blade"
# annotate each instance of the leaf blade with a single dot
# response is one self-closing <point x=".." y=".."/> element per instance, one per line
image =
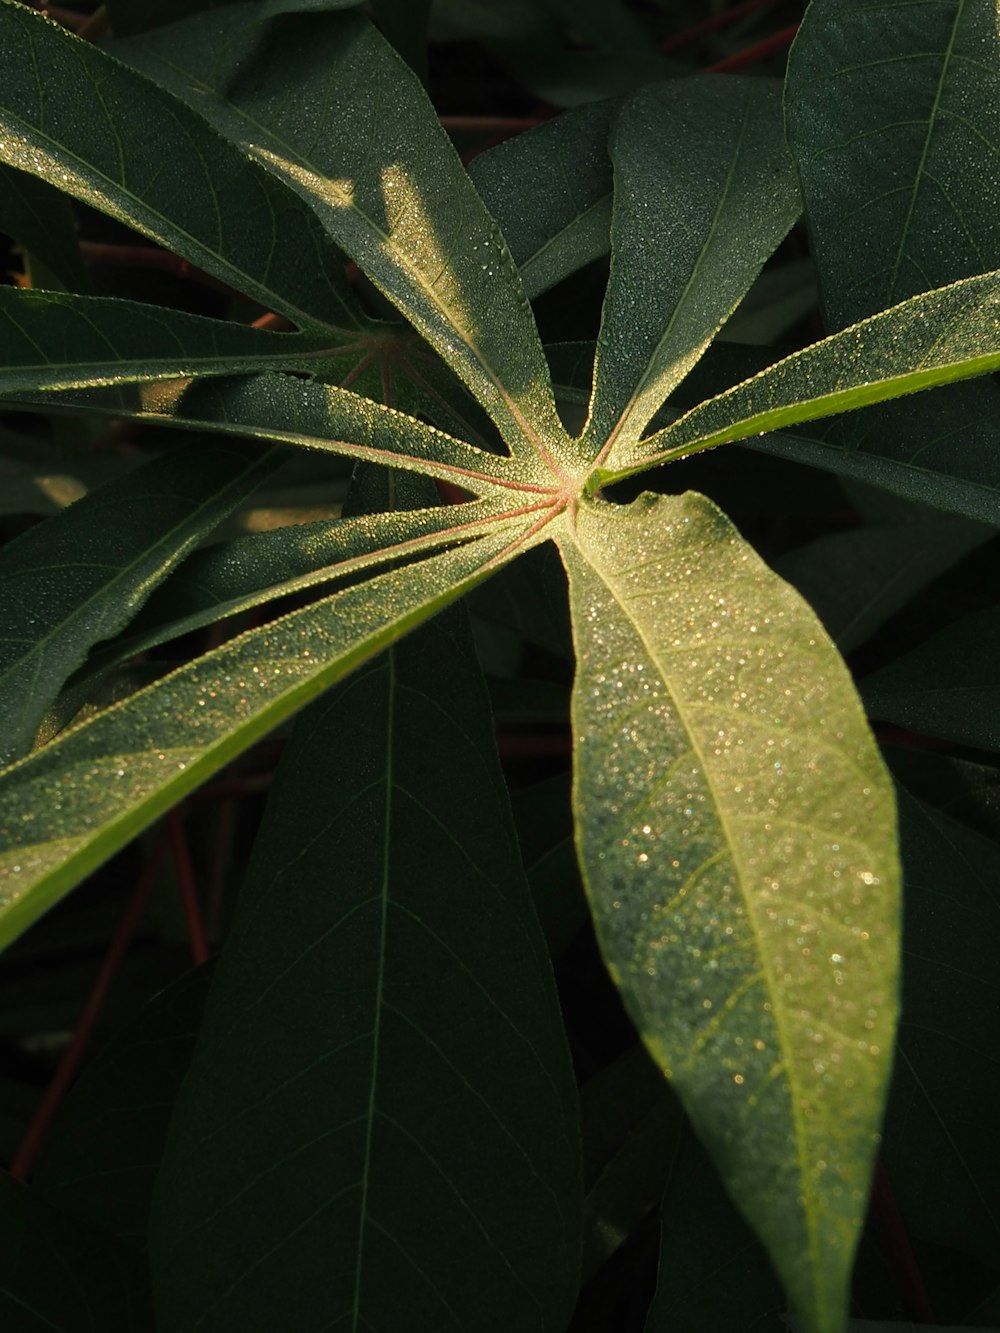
<point x="170" y="736"/>
<point x="81" y="576"/>
<point x="80" y="129"/>
<point x="704" y="192"/>
<point x="706" y="757"/>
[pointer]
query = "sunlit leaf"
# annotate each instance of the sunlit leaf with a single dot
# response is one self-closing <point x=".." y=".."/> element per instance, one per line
<point x="704" y="192"/>
<point x="430" y="1174"/>
<point x="386" y="183"/>
<point x="949" y="334"/>
<point x="736" y="829"/>
<point x="67" y="807"/>
<point x="118" y="142"/>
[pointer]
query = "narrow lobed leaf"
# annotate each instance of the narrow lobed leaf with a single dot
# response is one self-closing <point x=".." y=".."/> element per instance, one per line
<point x="362" y="146"/>
<point x="736" y="831"/>
<point x="704" y="192"/>
<point x="949" y="334"/>
<point x="67" y="807"/>
<point x="116" y="141"/>
<point x="83" y="574"/>
<point x="50" y="340"/>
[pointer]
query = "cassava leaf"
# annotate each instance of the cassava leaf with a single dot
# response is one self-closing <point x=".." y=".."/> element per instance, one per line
<point x="550" y="191"/>
<point x="82" y="575"/>
<point x="118" y="142"/>
<point x="287" y="410"/>
<point x="897" y="152"/>
<point x="897" y="156"/>
<point x="68" y="806"/>
<point x="386" y="183"/>
<point x="949" y="334"/>
<point x="236" y="575"/>
<point x="704" y="192"/>
<point x="429" y="1168"/>
<point x="946" y="686"/>
<point x="736" y="831"/>
<point x="50" y="340"/>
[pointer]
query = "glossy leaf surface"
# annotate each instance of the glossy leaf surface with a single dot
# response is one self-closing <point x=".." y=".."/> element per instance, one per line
<point x="129" y="148"/>
<point x="65" y="809"/>
<point x="388" y="186"/>
<point x="704" y="191"/>
<point x="735" y="827"/>
<point x="384" y="1026"/>
<point x="83" y="577"/>
<point x="949" y="334"/>
<point x="49" y="340"/>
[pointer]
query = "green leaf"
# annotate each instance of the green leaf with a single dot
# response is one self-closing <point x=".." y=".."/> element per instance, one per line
<point x="61" y="1275"/>
<point x="234" y="576"/>
<point x="856" y="580"/>
<point x="49" y="340"/>
<point x="550" y="192"/>
<point x="384" y="1025"/>
<point x="67" y="807"/>
<point x="941" y="1101"/>
<point x="736" y="830"/>
<point x="704" y="192"/>
<point x="41" y="219"/>
<point x="944" y="335"/>
<point x="82" y="575"/>
<point x="103" y="1150"/>
<point x="897" y="151"/>
<point x="388" y="186"/>
<point x="945" y="687"/>
<point x="116" y="141"/>
<point x="285" y="410"/>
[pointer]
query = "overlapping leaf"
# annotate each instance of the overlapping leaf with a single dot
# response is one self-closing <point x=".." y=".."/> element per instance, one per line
<point x="66" y="808"/>
<point x="129" y="148"/>
<point x="375" y="166"/>
<point x="41" y="219"/>
<point x="428" y="1167"/>
<point x="704" y="192"/>
<point x="49" y="340"/>
<point x="949" y="334"/>
<point x="84" y="574"/>
<point x="736" y="831"/>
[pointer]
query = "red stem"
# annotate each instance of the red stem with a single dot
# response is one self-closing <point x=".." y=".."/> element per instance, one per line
<point x="188" y="887"/>
<point x="777" y="42"/>
<point x="41" y="1122"/>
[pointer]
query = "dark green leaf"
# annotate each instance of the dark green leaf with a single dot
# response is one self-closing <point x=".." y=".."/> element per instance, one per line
<point x="382" y="1024"/>
<point x="121" y="144"/>
<point x="947" y="686"/>
<point x="61" y="1275"/>
<point x="704" y="192"/>
<point x="83" y="574"/>
<point x="41" y="219"/>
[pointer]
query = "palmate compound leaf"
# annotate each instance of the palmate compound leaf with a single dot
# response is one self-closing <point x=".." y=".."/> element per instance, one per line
<point x="704" y="192"/>
<point x="382" y="1029"/>
<point x="71" y="804"/>
<point x="736" y="830"/>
